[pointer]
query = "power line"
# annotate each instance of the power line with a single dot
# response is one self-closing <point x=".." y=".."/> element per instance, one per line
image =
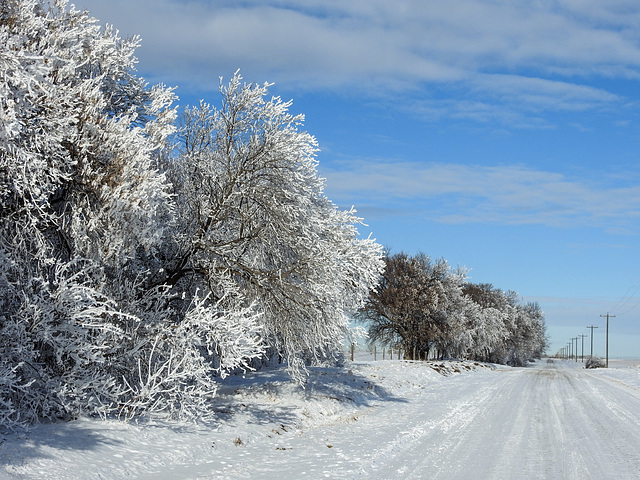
<point x="626" y="298"/>
<point x="634" y="305"/>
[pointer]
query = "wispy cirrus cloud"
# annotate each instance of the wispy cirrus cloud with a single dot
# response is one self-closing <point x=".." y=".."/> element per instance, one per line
<point x="507" y="194"/>
<point x="540" y="94"/>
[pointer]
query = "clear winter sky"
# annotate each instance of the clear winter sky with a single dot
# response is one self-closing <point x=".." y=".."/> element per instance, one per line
<point x="502" y="135"/>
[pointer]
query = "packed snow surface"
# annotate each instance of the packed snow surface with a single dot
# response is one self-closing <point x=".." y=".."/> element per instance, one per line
<point x="369" y="419"/>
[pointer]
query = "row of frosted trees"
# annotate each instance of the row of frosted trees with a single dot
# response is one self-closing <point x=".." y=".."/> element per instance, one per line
<point x="144" y="255"/>
<point x="429" y="310"/>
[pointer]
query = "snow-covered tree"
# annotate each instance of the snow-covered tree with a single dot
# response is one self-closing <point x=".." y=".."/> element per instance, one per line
<point x="253" y="213"/>
<point x="412" y="307"/>
<point x="132" y="276"/>
<point x="487" y="327"/>
<point x="529" y="334"/>
<point x="426" y="308"/>
<point x="512" y="333"/>
<point x="80" y="193"/>
<point x="85" y="215"/>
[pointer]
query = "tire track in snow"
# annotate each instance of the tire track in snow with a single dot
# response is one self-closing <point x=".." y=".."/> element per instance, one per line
<point x="606" y="426"/>
<point x="549" y="421"/>
<point x="435" y="431"/>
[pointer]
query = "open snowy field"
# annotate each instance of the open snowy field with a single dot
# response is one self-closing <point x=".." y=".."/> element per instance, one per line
<point x="384" y="419"/>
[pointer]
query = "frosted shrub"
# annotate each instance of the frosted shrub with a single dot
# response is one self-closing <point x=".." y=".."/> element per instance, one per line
<point x="85" y="327"/>
<point x="594" y="362"/>
<point x="175" y="375"/>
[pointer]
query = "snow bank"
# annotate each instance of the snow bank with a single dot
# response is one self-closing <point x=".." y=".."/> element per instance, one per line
<point x="624" y="371"/>
<point x="253" y="410"/>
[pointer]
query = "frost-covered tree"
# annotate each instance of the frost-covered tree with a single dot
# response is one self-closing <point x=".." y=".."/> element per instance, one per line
<point x="428" y="309"/>
<point x="487" y="327"/>
<point x="79" y="193"/>
<point x="132" y="277"/>
<point x="85" y="215"/>
<point x="528" y="339"/>
<point x="506" y="331"/>
<point x="252" y="213"/>
<point x="412" y="307"/>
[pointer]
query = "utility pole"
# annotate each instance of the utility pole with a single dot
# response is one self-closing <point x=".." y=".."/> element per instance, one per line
<point x="582" y="349"/>
<point x="575" y="352"/>
<point x="607" y="341"/>
<point x="591" y="327"/>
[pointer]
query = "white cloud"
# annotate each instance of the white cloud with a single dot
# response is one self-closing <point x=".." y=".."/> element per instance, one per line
<point x="500" y="63"/>
<point x="376" y="41"/>
<point x="537" y="93"/>
<point x="511" y="194"/>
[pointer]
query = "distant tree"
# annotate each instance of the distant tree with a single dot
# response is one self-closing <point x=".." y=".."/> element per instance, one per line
<point x="506" y="331"/>
<point x="411" y="307"/>
<point x="255" y="227"/>
<point x="529" y="335"/>
<point x="487" y="328"/>
<point x="485" y="295"/>
<point x="428" y="309"/>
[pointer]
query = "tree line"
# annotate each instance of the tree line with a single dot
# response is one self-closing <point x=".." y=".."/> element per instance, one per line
<point x="145" y="253"/>
<point x="430" y="310"/>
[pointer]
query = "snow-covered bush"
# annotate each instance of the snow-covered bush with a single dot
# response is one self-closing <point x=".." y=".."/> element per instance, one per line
<point x="80" y="195"/>
<point x="594" y="362"/>
<point x="86" y="212"/>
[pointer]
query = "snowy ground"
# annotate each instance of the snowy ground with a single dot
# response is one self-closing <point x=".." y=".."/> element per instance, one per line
<point x="384" y="419"/>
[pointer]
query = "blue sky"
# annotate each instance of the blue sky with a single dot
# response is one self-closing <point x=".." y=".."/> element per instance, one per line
<point x="501" y="135"/>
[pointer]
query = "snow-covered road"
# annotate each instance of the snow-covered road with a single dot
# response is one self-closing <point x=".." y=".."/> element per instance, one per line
<point x="549" y="421"/>
<point x="370" y="420"/>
